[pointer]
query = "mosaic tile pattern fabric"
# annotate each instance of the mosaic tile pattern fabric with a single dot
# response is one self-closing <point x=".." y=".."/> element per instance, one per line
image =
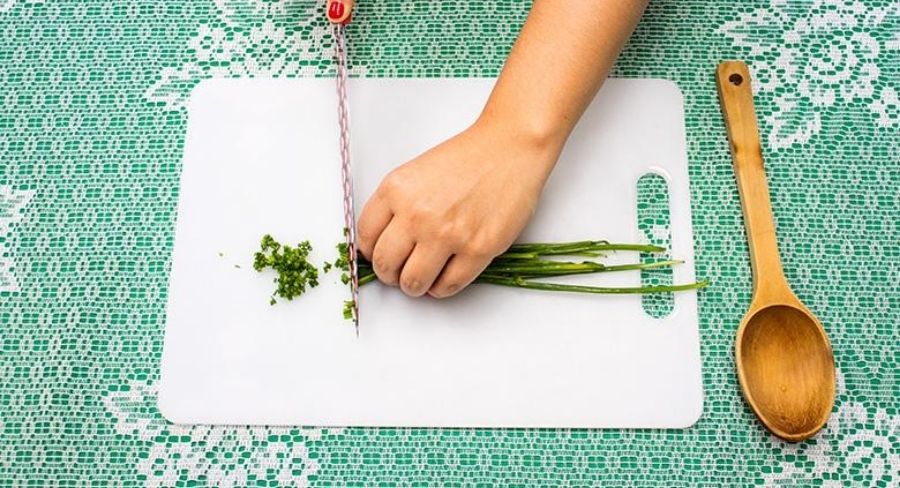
<point x="92" y="125"/>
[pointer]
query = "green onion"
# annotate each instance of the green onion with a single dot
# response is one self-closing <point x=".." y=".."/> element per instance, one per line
<point x="519" y="267"/>
<point x="524" y="263"/>
<point x="519" y="282"/>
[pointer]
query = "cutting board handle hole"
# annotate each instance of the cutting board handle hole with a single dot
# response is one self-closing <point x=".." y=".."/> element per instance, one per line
<point x="736" y="79"/>
<point x="653" y="219"/>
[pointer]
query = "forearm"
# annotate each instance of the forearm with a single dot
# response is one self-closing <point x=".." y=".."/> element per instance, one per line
<point x="558" y="63"/>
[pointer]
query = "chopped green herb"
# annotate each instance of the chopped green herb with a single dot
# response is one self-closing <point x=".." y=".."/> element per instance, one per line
<point x="294" y="271"/>
<point x="348" y="310"/>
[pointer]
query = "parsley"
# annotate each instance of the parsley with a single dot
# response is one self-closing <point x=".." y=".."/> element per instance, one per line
<point x="295" y="272"/>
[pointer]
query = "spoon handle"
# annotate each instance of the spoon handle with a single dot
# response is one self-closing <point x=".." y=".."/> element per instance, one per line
<point x="736" y="98"/>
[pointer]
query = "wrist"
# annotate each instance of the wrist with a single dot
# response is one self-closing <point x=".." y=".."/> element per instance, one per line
<point x="535" y="134"/>
<point x="529" y="149"/>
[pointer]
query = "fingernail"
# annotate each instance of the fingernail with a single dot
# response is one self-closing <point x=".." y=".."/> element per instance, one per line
<point x="336" y="11"/>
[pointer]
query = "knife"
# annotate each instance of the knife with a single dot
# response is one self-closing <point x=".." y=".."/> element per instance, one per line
<point x="339" y="13"/>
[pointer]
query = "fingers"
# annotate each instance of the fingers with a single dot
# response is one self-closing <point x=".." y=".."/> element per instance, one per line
<point x="391" y="252"/>
<point x="422" y="268"/>
<point x="339" y="11"/>
<point x="372" y="221"/>
<point x="459" y="272"/>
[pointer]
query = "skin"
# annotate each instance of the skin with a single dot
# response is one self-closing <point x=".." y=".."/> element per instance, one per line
<point x="435" y="222"/>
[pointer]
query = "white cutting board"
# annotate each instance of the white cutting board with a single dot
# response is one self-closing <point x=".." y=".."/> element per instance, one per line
<point x="261" y="156"/>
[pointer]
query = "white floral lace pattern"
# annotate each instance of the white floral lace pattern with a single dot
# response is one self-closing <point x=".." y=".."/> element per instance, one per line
<point x="812" y="56"/>
<point x="255" y="38"/>
<point x="858" y="447"/>
<point x="887" y="107"/>
<point x="222" y="456"/>
<point x="12" y="204"/>
<point x="854" y="450"/>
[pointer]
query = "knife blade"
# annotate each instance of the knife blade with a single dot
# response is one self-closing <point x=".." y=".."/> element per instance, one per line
<point x="340" y="40"/>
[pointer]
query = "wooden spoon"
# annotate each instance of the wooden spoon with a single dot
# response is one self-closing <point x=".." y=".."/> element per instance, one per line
<point x="783" y="357"/>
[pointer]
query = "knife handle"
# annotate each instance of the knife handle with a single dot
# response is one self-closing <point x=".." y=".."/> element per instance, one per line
<point x="340" y="11"/>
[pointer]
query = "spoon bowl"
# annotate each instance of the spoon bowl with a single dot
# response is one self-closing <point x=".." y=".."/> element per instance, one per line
<point x="786" y="370"/>
<point x="783" y="357"/>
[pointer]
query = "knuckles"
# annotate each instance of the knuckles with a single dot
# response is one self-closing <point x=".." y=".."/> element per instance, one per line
<point x="449" y="232"/>
<point x="480" y="245"/>
<point x="366" y="241"/>
<point x="421" y="213"/>
<point x="444" y="291"/>
<point x="383" y="269"/>
<point x="411" y="285"/>
<point x="393" y="184"/>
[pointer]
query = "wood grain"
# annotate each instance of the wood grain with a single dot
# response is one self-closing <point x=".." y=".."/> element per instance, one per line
<point x="784" y="360"/>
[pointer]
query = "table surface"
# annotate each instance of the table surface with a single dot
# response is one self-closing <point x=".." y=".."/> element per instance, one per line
<point x="91" y="132"/>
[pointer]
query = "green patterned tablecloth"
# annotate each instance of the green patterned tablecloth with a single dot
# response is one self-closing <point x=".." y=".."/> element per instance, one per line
<point x="91" y="132"/>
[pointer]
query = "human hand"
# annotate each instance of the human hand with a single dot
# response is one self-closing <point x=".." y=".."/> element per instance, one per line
<point x="437" y="221"/>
